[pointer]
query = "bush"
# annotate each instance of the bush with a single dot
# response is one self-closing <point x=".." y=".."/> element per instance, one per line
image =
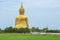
<point x="15" y="30"/>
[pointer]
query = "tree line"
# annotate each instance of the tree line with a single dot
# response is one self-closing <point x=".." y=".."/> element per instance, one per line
<point x="27" y="30"/>
<point x="14" y="30"/>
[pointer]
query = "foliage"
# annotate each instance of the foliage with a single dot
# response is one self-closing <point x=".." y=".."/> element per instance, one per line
<point x="15" y="30"/>
<point x="35" y="29"/>
<point x="45" y="29"/>
<point x="27" y="30"/>
<point x="54" y="31"/>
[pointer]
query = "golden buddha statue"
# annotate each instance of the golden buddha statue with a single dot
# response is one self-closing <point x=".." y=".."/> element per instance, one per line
<point x="21" y="20"/>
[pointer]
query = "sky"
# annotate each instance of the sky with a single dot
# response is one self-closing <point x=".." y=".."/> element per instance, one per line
<point x="40" y="13"/>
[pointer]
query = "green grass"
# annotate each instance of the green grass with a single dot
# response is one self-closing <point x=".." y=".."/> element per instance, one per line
<point x="15" y="36"/>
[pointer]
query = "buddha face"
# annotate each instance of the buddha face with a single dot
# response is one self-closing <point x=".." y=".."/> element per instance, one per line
<point x="21" y="11"/>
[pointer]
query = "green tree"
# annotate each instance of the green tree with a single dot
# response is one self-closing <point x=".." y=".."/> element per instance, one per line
<point x="45" y="29"/>
<point x="8" y="30"/>
<point x="35" y="29"/>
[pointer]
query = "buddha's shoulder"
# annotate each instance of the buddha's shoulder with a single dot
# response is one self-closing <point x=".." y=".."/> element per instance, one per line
<point x="26" y="17"/>
<point x="21" y="16"/>
<point x="17" y="16"/>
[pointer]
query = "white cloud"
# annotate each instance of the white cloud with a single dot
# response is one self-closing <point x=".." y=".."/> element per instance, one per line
<point x="54" y="3"/>
<point x="41" y="3"/>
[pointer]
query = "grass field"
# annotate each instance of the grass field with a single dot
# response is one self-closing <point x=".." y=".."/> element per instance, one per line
<point x="16" y="36"/>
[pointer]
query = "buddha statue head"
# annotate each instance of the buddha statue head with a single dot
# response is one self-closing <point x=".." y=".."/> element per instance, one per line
<point x="21" y="10"/>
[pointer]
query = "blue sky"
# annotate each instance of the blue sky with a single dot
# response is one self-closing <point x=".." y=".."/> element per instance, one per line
<point x="41" y="13"/>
